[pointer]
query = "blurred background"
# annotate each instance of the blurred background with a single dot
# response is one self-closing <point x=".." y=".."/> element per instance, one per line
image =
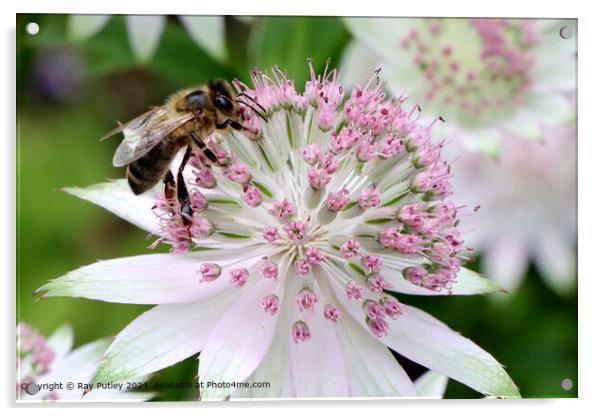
<point x="76" y="76"/>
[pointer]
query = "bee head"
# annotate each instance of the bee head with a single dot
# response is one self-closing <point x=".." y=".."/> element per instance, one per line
<point x="223" y="99"/>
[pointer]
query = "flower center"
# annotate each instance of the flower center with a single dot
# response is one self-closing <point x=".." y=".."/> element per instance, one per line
<point x="340" y="198"/>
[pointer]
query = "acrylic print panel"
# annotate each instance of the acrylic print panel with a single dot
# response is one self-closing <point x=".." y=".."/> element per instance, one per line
<point x="295" y="207"/>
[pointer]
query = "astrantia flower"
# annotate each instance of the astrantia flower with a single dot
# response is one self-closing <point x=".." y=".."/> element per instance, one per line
<point x="144" y="32"/>
<point x="302" y="299"/>
<point x="528" y="208"/>
<point x="487" y="77"/>
<point x="48" y="362"/>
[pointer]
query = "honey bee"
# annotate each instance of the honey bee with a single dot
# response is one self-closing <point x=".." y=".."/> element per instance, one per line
<point x="152" y="140"/>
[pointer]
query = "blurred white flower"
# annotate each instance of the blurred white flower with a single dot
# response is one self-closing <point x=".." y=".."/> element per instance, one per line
<point x="48" y="362"/>
<point x="487" y="77"/>
<point x="528" y="207"/>
<point x="144" y="32"/>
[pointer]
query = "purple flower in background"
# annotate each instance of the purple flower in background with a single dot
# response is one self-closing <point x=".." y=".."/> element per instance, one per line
<point x="57" y="73"/>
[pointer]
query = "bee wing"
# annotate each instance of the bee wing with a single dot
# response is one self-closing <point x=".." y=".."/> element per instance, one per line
<point x="143" y="121"/>
<point x="140" y="139"/>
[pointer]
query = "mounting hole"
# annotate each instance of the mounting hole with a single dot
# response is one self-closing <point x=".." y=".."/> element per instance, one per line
<point x="32" y="388"/>
<point x="32" y="28"/>
<point x="566" y="32"/>
<point x="566" y="384"/>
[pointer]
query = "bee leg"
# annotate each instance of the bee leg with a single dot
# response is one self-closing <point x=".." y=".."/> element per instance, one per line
<point x="170" y="185"/>
<point x="237" y="126"/>
<point x="206" y="151"/>
<point x="230" y="123"/>
<point x="182" y="190"/>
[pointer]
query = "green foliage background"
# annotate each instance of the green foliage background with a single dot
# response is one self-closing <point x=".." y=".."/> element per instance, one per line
<point x="533" y="332"/>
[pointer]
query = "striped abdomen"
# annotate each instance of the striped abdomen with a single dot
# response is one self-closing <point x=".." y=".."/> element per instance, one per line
<point x="145" y="172"/>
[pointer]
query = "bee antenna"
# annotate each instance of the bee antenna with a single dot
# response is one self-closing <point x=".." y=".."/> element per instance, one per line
<point x="251" y="107"/>
<point x="244" y="94"/>
<point x="254" y="110"/>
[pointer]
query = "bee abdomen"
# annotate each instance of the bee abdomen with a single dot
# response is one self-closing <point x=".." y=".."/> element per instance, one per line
<point x="145" y="172"/>
<point x="138" y="185"/>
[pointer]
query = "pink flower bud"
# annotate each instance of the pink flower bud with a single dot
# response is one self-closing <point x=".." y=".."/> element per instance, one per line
<point x="415" y="275"/>
<point x="337" y="200"/>
<point x="252" y="196"/>
<point x="239" y="276"/>
<point x="270" y="304"/>
<point x="369" y="197"/>
<point x="306" y="299"/>
<point x="209" y="272"/>
<point x="300" y="332"/>
<point x="389" y="237"/>
<point x="198" y="202"/>
<point x="310" y="153"/>
<point x="373" y="309"/>
<point x="318" y="178"/>
<point x="295" y="230"/>
<point x="392" y="307"/>
<point x="238" y="173"/>
<point x="372" y="263"/>
<point x="350" y="249"/>
<point x="376" y="283"/>
<point x="354" y="290"/>
<point x="302" y="267"/>
<point x="366" y="151"/>
<point x="378" y="327"/>
<point x="282" y="209"/>
<point x="328" y="162"/>
<point x="269" y="269"/>
<point x="271" y="234"/>
<point x="332" y="313"/>
<point x="314" y="256"/>
<point x="201" y="227"/>
<point x="204" y="178"/>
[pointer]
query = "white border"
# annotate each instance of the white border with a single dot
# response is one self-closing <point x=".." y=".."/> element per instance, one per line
<point x="590" y="279"/>
<point x="458" y="8"/>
